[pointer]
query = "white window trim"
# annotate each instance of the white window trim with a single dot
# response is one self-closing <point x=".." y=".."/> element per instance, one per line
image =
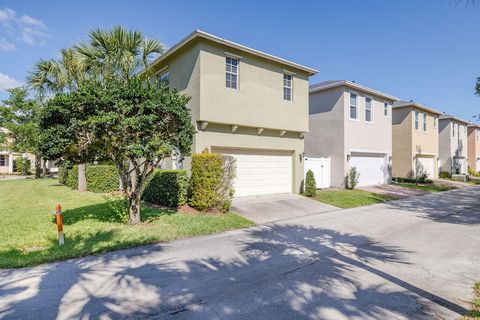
<point x="424" y="122"/>
<point x="349" y="105"/>
<point x="389" y="108"/>
<point x="372" y="108"/>
<point x="232" y="56"/>
<point x="416" y="120"/>
<point x="291" y="85"/>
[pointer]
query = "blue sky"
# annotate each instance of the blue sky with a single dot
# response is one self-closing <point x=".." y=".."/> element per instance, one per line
<point x="424" y="50"/>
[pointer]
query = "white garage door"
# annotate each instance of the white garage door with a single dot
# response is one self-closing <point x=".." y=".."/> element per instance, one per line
<point x="426" y="164"/>
<point x="261" y="172"/>
<point x="478" y="165"/>
<point x="371" y="167"/>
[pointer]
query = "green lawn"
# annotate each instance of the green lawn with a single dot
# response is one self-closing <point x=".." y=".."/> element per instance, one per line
<point x="344" y="198"/>
<point x="92" y="223"/>
<point x="426" y="187"/>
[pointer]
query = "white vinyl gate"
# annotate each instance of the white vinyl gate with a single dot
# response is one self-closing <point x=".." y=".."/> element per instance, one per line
<point x="321" y="170"/>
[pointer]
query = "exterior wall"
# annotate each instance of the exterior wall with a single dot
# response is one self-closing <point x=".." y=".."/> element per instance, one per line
<point x="220" y="136"/>
<point x="365" y="137"/>
<point x="402" y="156"/>
<point x="258" y="101"/>
<point x="199" y="72"/>
<point x="473" y="147"/>
<point x="425" y="144"/>
<point x="326" y="137"/>
<point x="450" y="147"/>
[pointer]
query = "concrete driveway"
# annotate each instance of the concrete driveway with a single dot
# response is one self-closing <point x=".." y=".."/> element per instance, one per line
<point x="415" y="258"/>
<point x="263" y="209"/>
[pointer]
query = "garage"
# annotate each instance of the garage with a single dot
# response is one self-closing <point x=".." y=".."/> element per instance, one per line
<point x="372" y="168"/>
<point x="261" y="172"/>
<point x="426" y="164"/>
<point x="478" y="165"/>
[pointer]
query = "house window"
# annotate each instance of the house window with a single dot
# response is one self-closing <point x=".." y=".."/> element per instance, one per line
<point x="287" y="87"/>
<point x="164" y="77"/>
<point x="434" y="122"/>
<point x="478" y="135"/>
<point x="386" y="106"/>
<point x="453" y="129"/>
<point x="3" y="160"/>
<point x="424" y="122"/>
<point x="368" y="110"/>
<point x="416" y="120"/>
<point x="353" y="106"/>
<point x="231" y="73"/>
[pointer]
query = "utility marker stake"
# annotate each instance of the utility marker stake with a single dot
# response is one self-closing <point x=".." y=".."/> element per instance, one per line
<point x="58" y="214"/>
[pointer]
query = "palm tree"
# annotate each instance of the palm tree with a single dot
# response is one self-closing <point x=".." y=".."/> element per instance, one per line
<point x="117" y="53"/>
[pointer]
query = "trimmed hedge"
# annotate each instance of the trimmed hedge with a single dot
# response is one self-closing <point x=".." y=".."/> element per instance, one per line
<point x="444" y="175"/>
<point x="207" y="173"/>
<point x="72" y="177"/>
<point x="310" y="184"/>
<point x="62" y="174"/>
<point x="167" y="187"/>
<point x="102" y="178"/>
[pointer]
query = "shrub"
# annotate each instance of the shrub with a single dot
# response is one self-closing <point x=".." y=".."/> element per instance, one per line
<point x="22" y="165"/>
<point x="211" y="181"/>
<point x="102" y="178"/>
<point x="310" y="184"/>
<point x="353" y="176"/>
<point x="72" y="178"/>
<point x="445" y="175"/>
<point x="62" y="174"/>
<point x="167" y="187"/>
<point x="421" y="176"/>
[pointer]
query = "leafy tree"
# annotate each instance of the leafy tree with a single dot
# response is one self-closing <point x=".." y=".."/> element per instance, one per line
<point x="131" y="123"/>
<point x="19" y="114"/>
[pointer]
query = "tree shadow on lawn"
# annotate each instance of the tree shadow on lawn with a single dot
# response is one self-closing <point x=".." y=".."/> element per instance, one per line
<point x="290" y="271"/>
<point x="458" y="206"/>
<point x="112" y="210"/>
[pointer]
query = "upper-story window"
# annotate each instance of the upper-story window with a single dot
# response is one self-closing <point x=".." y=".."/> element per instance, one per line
<point x="231" y="73"/>
<point x="453" y="129"/>
<point x="434" y="122"/>
<point x="353" y="106"/>
<point x="425" y="122"/>
<point x="287" y="87"/>
<point x="386" y="108"/>
<point x="478" y="135"/>
<point x="368" y="109"/>
<point x="416" y="120"/>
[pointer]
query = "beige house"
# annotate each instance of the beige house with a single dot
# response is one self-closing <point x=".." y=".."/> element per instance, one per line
<point x="245" y="103"/>
<point x="453" y="146"/>
<point x="473" y="146"/>
<point x="8" y="157"/>
<point x="352" y="125"/>
<point x="415" y="139"/>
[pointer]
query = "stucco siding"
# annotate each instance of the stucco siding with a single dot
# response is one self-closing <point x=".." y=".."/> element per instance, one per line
<point x="326" y="137"/>
<point x="402" y="157"/>
<point x="451" y="147"/>
<point x="473" y="148"/>
<point x="258" y="101"/>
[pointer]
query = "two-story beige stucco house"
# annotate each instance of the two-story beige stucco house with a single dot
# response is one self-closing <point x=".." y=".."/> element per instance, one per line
<point x="473" y="147"/>
<point x="415" y="139"/>
<point x="453" y="146"/>
<point x="352" y="125"/>
<point x="244" y="103"/>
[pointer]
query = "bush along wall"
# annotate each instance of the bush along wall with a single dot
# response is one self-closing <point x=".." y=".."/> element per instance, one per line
<point x="72" y="177"/>
<point x="62" y="174"/>
<point x="102" y="178"/>
<point x="167" y="188"/>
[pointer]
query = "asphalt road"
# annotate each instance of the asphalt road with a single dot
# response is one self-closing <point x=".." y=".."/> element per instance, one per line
<point x="413" y="258"/>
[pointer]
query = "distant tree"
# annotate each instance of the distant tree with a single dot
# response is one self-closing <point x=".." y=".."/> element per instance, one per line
<point x="132" y="123"/>
<point x="20" y="114"/>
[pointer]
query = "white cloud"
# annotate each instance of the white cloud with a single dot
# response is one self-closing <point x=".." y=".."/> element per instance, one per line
<point x="25" y="28"/>
<point x="7" y="83"/>
<point x="5" y="45"/>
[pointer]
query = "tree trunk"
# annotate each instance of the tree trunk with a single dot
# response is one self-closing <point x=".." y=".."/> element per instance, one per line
<point x="38" y="167"/>
<point x="134" y="208"/>
<point x="82" y="178"/>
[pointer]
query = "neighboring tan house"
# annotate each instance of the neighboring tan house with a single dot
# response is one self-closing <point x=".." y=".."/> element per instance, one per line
<point x="245" y="103"/>
<point x="473" y="147"/>
<point x="352" y="125"/>
<point x="7" y="157"/>
<point x="453" y="146"/>
<point x="415" y="139"/>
